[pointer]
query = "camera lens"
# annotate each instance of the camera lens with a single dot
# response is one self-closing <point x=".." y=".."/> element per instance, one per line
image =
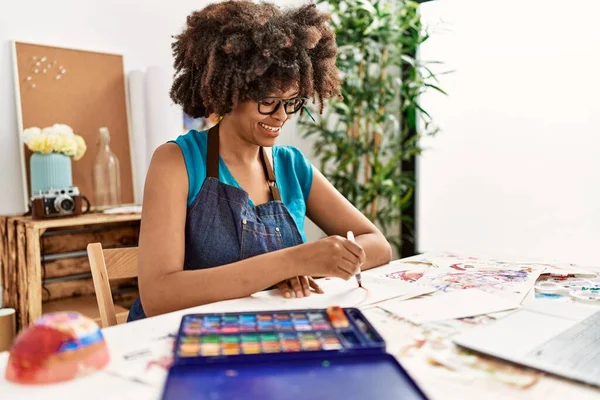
<point x="67" y="204"/>
<point x="64" y="204"/>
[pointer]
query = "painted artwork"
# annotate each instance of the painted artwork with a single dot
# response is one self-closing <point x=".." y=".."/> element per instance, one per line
<point x="148" y="364"/>
<point x="516" y="280"/>
<point x="429" y="349"/>
<point x="406" y="275"/>
<point x="498" y="279"/>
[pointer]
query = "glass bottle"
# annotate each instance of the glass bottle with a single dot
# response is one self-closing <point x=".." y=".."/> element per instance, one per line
<point x="106" y="174"/>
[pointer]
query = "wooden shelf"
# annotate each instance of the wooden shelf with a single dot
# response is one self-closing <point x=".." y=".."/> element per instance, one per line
<point x="84" y="219"/>
<point x="44" y="261"/>
<point x="86" y="305"/>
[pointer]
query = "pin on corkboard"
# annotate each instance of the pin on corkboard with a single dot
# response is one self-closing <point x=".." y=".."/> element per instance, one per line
<point x="82" y="89"/>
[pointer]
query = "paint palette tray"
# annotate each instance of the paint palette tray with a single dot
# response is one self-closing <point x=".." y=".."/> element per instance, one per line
<point x="319" y="354"/>
<point x="274" y="334"/>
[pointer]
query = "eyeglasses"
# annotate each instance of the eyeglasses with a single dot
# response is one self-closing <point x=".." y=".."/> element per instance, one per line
<point x="270" y="105"/>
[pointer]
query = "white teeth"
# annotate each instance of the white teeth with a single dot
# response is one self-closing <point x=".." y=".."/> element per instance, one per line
<point x="269" y="128"/>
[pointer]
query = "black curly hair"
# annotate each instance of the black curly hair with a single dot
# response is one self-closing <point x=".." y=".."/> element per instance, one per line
<point x="238" y="50"/>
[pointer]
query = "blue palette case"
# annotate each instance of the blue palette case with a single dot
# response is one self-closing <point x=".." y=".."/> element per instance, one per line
<point x="316" y="354"/>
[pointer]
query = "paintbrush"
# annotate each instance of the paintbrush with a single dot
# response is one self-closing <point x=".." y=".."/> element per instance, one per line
<point x="350" y="236"/>
<point x="309" y="114"/>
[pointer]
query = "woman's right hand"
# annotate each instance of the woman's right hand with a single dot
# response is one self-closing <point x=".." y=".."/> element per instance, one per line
<point x="331" y="256"/>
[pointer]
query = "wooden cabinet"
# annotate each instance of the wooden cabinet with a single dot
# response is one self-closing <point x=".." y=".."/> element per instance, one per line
<point x="45" y="266"/>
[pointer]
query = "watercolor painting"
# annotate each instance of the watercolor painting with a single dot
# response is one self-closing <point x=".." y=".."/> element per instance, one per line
<point x="477" y="319"/>
<point x="516" y="280"/>
<point x="148" y="364"/>
<point x="407" y="275"/>
<point x="480" y="279"/>
<point x="430" y="346"/>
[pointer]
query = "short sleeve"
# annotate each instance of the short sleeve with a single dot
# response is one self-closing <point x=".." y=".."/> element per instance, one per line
<point x="302" y="168"/>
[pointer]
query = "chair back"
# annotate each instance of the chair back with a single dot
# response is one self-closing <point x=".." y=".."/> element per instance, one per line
<point x="107" y="265"/>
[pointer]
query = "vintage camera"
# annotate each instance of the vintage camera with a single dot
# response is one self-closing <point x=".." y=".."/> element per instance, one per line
<point x="54" y="203"/>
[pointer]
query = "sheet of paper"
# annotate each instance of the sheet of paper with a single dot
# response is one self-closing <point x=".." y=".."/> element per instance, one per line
<point x="568" y="269"/>
<point x="524" y="330"/>
<point x="443" y="306"/>
<point x="512" y="281"/>
<point x="144" y="355"/>
<point x="103" y="384"/>
<point x="347" y="293"/>
<point x="403" y="272"/>
<point x="148" y="364"/>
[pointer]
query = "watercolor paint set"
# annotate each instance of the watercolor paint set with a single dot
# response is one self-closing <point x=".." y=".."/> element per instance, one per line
<point x="275" y="333"/>
<point x="269" y="354"/>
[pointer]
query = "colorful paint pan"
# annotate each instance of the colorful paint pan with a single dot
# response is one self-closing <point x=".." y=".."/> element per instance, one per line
<point x="267" y="333"/>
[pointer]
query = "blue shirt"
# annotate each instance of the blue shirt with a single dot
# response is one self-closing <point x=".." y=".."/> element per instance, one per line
<point x="293" y="173"/>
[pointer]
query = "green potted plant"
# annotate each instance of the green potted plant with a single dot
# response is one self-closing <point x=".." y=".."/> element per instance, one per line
<point x="362" y="140"/>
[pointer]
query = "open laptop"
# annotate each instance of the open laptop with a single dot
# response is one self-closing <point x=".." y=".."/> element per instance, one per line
<point x="558" y="338"/>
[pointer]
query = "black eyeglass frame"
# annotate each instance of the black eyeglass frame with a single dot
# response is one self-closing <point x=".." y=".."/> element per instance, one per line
<point x="280" y="102"/>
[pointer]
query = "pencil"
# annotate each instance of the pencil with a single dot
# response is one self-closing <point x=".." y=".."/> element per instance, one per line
<point x="350" y="236"/>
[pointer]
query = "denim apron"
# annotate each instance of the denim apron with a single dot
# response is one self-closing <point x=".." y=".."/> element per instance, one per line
<point x="222" y="228"/>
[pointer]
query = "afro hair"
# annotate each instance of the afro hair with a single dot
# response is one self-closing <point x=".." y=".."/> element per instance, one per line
<point x="238" y="50"/>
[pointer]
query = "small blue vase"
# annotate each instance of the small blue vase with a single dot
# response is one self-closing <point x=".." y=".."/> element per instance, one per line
<point x="50" y="171"/>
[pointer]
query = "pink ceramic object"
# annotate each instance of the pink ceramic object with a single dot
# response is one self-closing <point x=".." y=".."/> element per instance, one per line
<point x="55" y="348"/>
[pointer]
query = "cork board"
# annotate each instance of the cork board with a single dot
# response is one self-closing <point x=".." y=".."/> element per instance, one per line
<point x="82" y="89"/>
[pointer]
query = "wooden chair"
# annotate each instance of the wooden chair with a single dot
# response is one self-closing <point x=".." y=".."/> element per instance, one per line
<point x="107" y="265"/>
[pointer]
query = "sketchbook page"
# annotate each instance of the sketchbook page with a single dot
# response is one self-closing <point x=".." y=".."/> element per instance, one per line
<point x="452" y="305"/>
<point x="452" y="273"/>
<point x="513" y="281"/>
<point x="449" y="262"/>
<point x="142" y="351"/>
<point x="97" y="385"/>
<point x="147" y="363"/>
<point x="512" y="336"/>
<point x="554" y="268"/>
<point x="410" y="273"/>
<point x="568" y="269"/>
<point x="339" y="292"/>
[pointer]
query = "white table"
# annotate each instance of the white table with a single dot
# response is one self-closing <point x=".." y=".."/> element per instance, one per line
<point x="404" y="341"/>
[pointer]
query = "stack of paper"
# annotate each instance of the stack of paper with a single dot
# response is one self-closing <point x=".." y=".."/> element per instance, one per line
<point x="347" y="293"/>
<point x="443" y="306"/>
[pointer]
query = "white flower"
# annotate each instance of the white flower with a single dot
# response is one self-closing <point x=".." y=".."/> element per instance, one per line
<point x="47" y="131"/>
<point x="81" y="147"/>
<point x="55" y="142"/>
<point x="57" y="138"/>
<point x="62" y="130"/>
<point x="29" y="133"/>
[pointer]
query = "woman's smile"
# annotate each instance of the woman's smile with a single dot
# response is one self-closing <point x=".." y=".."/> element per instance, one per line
<point x="270" y="130"/>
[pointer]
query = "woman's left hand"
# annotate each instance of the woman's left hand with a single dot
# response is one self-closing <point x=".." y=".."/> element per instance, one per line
<point x="299" y="286"/>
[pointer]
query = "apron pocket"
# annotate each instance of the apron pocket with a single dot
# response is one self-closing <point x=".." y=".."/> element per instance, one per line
<point x="259" y="239"/>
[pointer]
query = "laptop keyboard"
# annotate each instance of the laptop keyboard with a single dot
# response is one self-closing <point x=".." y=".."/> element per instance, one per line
<point x="576" y="350"/>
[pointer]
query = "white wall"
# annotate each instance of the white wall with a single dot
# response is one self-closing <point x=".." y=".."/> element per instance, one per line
<point x="139" y="30"/>
<point x="516" y="170"/>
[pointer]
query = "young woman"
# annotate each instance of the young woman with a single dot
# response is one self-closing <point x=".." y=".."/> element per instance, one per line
<point x="224" y="210"/>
